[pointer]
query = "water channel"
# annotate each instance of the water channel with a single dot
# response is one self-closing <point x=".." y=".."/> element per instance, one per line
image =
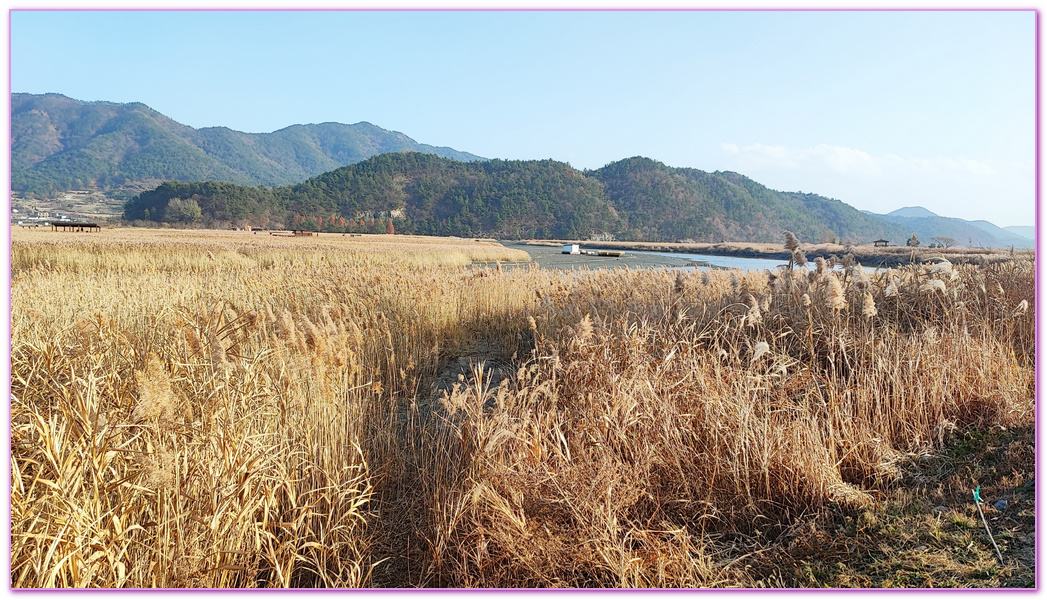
<point x="552" y="257"/>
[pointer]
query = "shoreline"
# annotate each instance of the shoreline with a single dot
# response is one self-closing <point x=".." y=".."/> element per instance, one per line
<point x="867" y="255"/>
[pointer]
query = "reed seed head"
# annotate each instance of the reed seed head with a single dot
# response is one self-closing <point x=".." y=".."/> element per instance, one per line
<point x="286" y="329"/>
<point x="933" y="285"/>
<point x="799" y="258"/>
<point x="156" y="399"/>
<point x="585" y="329"/>
<point x="759" y="350"/>
<point x="1021" y="309"/>
<point x="835" y="298"/>
<point x="753" y="317"/>
<point x="868" y="306"/>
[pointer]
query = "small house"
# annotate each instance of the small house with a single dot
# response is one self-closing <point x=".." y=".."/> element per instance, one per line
<point x="572" y="249"/>
<point x="880" y="243"/>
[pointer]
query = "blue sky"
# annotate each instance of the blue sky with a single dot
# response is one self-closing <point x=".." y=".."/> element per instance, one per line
<point x="878" y="109"/>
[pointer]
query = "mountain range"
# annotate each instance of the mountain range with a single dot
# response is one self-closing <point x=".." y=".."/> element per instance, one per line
<point x="927" y="225"/>
<point x="58" y="143"/>
<point x="316" y="176"/>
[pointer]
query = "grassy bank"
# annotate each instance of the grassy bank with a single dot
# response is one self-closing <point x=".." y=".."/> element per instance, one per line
<point x="136" y="249"/>
<point x="196" y="411"/>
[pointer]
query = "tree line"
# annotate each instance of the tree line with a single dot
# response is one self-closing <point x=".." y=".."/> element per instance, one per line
<point x="418" y="193"/>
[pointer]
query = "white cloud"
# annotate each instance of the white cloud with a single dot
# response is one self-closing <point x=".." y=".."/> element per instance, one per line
<point x="848" y="160"/>
<point x="851" y="161"/>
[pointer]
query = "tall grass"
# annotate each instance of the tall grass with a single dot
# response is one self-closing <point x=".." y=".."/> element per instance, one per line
<point x="299" y="415"/>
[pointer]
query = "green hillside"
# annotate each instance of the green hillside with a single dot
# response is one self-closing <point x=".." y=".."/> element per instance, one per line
<point x="60" y="144"/>
<point x="632" y="199"/>
<point x="657" y="202"/>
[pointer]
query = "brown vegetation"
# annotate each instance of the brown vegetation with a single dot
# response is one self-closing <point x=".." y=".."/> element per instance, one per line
<point x="225" y="411"/>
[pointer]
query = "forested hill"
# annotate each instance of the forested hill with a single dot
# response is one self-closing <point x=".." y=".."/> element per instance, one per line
<point x="58" y="144"/>
<point x="633" y="199"/>
<point x="657" y="202"/>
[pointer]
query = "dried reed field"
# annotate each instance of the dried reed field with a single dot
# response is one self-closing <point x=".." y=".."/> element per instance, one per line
<point x="223" y="409"/>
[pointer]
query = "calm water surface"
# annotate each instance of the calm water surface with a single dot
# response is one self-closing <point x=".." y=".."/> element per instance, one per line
<point x="548" y="257"/>
<point x="706" y="261"/>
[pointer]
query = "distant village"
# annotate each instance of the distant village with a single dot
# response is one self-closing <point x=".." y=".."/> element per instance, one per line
<point x="77" y="206"/>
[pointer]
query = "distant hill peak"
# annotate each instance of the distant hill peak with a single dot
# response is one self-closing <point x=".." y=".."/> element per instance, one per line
<point x="927" y="226"/>
<point x="912" y="212"/>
